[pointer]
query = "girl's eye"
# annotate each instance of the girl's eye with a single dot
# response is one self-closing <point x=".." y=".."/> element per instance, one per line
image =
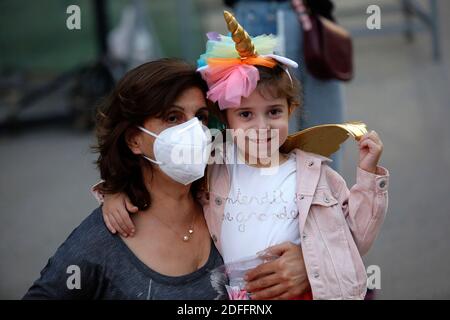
<point x="245" y="114"/>
<point x="275" y="112"/>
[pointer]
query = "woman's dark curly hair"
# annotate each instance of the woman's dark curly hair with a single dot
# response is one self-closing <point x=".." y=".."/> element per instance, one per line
<point x="144" y="92"/>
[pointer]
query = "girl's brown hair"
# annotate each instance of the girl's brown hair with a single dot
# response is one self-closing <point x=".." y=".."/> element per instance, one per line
<point x="144" y="92"/>
<point x="278" y="82"/>
<point x="275" y="83"/>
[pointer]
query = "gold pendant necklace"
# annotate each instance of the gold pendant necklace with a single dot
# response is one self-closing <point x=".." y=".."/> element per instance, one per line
<point x="185" y="237"/>
<point x="188" y="236"/>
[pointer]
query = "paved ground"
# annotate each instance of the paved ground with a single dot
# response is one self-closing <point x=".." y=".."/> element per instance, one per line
<point x="45" y="174"/>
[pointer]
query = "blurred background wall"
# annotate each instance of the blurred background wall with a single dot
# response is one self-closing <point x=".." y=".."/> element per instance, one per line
<point x="401" y="89"/>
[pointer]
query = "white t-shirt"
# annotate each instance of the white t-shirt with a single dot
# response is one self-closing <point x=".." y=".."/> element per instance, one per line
<point x="260" y="210"/>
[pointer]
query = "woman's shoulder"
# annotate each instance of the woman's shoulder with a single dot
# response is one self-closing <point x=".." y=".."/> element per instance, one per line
<point x="78" y="258"/>
<point x="92" y="225"/>
<point x="93" y="221"/>
<point x="90" y="238"/>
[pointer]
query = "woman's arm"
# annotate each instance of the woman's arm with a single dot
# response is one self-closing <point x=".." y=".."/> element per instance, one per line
<point x="282" y="279"/>
<point x="62" y="280"/>
<point x="71" y="273"/>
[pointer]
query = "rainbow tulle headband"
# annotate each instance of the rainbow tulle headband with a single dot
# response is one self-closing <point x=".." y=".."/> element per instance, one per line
<point x="228" y="65"/>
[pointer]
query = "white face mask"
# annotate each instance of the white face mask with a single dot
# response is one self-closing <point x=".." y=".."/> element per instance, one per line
<point x="182" y="151"/>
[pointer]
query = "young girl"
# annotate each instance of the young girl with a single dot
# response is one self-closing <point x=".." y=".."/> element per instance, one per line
<point x="258" y="196"/>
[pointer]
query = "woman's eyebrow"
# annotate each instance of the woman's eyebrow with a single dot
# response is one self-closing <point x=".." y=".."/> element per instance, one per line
<point x="174" y="106"/>
<point x="202" y="109"/>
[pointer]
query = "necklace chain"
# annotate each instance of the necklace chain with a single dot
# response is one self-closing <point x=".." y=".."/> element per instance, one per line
<point x="186" y="237"/>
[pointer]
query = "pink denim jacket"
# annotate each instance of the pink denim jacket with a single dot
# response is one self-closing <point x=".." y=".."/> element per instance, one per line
<point x="337" y="225"/>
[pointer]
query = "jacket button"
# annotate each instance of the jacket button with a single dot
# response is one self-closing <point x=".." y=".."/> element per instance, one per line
<point x="382" y="184"/>
<point x="326" y="199"/>
<point x="304" y="236"/>
<point x="310" y="163"/>
<point x="214" y="238"/>
<point x="302" y="197"/>
<point x="218" y="201"/>
<point x="316" y="275"/>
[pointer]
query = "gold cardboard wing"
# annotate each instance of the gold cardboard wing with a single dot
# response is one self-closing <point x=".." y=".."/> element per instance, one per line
<point x="324" y="139"/>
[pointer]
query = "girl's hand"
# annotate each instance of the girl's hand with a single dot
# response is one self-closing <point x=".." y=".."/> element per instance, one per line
<point x="281" y="279"/>
<point x="370" y="149"/>
<point x="116" y="213"/>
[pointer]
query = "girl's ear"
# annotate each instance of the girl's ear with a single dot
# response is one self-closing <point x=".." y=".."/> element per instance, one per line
<point x="133" y="139"/>
<point x="290" y="109"/>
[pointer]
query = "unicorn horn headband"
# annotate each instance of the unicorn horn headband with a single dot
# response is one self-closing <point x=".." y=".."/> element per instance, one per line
<point x="228" y="65"/>
<point x="244" y="45"/>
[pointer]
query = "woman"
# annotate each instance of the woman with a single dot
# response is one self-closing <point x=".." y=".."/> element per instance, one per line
<point x="171" y="253"/>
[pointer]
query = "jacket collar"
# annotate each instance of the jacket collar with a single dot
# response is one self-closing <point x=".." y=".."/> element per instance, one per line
<point x="309" y="167"/>
<point x="311" y="156"/>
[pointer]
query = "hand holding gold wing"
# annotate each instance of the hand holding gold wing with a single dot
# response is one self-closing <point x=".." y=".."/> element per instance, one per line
<point x="324" y="139"/>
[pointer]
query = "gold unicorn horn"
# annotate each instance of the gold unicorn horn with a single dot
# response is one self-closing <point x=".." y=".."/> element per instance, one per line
<point x="244" y="45"/>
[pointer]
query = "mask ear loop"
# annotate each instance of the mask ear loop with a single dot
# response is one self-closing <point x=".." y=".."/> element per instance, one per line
<point x="148" y="132"/>
<point x="153" y="135"/>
